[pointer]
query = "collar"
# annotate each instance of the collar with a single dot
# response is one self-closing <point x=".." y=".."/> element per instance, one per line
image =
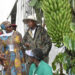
<point x="40" y="63"/>
<point x="7" y="34"/>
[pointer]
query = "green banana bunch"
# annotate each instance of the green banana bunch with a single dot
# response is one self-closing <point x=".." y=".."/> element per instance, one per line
<point x="58" y="17"/>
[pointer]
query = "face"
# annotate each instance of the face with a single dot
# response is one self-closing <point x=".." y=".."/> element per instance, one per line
<point x="31" y="59"/>
<point x="31" y="23"/>
<point x="9" y="29"/>
<point x="14" y="28"/>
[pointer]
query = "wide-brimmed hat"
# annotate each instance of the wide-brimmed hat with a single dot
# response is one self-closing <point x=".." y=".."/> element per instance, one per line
<point x="5" y="24"/>
<point x="31" y="17"/>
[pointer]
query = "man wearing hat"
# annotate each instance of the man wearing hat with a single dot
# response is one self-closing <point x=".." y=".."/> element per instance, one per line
<point x="38" y="66"/>
<point x="14" y="26"/>
<point x="36" y="36"/>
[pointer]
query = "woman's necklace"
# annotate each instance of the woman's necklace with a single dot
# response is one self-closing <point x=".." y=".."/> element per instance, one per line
<point x="4" y="37"/>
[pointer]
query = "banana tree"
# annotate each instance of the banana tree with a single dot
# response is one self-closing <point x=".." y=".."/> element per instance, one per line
<point x="58" y="17"/>
<point x="59" y="60"/>
<point x="67" y="59"/>
<point x="66" y="62"/>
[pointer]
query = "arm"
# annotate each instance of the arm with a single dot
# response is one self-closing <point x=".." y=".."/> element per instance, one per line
<point x="32" y="69"/>
<point x="46" y="42"/>
<point x="25" y="43"/>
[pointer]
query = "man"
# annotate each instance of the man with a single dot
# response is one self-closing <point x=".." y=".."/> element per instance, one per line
<point x="14" y="26"/>
<point x="36" y="36"/>
<point x="38" y="66"/>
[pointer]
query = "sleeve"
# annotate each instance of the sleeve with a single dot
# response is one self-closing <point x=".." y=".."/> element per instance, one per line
<point x="18" y="37"/>
<point x="24" y="39"/>
<point x="46" y="42"/>
<point x="23" y="46"/>
<point x="32" y="69"/>
<point x="1" y="46"/>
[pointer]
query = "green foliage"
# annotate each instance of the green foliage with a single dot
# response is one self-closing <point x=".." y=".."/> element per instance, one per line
<point x="58" y="18"/>
<point x="72" y="26"/>
<point x="59" y="59"/>
<point x="69" y="39"/>
<point x="57" y="15"/>
<point x="73" y="70"/>
<point x="35" y="3"/>
<point x="67" y="61"/>
<point x="54" y="65"/>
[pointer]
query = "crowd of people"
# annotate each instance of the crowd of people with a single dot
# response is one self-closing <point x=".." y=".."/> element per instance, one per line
<point x="27" y="55"/>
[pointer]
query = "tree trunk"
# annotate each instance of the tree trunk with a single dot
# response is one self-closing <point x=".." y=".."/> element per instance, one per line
<point x="61" y="69"/>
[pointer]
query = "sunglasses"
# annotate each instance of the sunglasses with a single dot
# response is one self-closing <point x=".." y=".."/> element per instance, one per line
<point x="8" y="26"/>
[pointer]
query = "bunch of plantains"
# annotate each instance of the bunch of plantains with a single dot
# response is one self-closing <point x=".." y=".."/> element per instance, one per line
<point x="58" y="17"/>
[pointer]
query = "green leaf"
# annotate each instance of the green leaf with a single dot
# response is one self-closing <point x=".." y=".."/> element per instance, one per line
<point x="66" y="41"/>
<point x="53" y="66"/>
<point x="69" y="41"/>
<point x="73" y="70"/>
<point x="33" y="3"/>
<point x="65" y="66"/>
<point x="73" y="61"/>
<point x="72" y="26"/>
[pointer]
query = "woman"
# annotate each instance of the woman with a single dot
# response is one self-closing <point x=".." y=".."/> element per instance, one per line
<point x="10" y="46"/>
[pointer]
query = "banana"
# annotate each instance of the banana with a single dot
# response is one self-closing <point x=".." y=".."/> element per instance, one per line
<point x="58" y="18"/>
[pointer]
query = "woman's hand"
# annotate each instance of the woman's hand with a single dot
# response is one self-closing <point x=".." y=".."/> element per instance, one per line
<point x="3" y="61"/>
<point x="2" y="56"/>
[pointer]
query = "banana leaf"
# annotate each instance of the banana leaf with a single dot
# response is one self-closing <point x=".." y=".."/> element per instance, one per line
<point x="33" y="3"/>
<point x="69" y="42"/>
<point x="72" y="26"/>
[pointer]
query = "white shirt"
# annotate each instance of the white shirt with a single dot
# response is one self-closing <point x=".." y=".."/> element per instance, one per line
<point x="32" y="32"/>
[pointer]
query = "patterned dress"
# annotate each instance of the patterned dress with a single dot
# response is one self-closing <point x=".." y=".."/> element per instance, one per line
<point x="10" y="45"/>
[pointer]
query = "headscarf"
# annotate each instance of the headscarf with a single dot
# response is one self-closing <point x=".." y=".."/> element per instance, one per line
<point x="5" y="24"/>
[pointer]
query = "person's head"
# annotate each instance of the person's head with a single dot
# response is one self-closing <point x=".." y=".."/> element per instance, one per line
<point x="30" y="21"/>
<point x="6" y="25"/>
<point x="14" y="26"/>
<point x="35" y="55"/>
